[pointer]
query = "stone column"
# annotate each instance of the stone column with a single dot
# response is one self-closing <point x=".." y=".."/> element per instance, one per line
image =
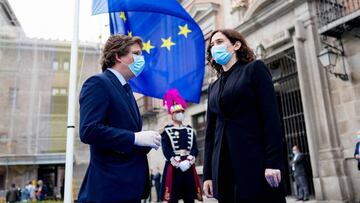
<point x="326" y="153"/>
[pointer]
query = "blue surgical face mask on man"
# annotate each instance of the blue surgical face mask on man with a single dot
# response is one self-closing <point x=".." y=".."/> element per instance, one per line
<point x="138" y="65"/>
<point x="220" y="54"/>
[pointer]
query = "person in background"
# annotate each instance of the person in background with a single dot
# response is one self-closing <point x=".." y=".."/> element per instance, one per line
<point x="298" y="167"/>
<point x="31" y="189"/>
<point x="357" y="149"/>
<point x="25" y="194"/>
<point x="180" y="180"/>
<point x="244" y="142"/>
<point x="12" y="195"/>
<point x="157" y="183"/>
<point x="41" y="191"/>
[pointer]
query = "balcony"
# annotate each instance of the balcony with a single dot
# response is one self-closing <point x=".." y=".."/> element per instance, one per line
<point x="338" y="16"/>
<point x="149" y="106"/>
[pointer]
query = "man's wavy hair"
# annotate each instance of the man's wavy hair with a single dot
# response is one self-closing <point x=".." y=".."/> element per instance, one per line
<point x="244" y="54"/>
<point x="117" y="44"/>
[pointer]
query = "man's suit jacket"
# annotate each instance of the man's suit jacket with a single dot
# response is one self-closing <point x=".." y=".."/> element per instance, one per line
<point x="118" y="170"/>
<point x="300" y="165"/>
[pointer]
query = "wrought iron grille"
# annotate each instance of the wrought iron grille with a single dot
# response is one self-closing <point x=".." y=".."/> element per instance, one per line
<point x="331" y="10"/>
<point x="286" y="82"/>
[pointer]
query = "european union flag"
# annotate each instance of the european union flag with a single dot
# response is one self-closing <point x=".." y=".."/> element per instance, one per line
<point x="174" y="46"/>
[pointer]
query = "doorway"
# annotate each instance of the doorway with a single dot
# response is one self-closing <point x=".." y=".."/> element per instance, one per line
<point x="286" y="82"/>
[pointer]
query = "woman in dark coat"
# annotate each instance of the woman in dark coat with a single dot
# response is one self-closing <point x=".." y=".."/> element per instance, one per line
<point x="243" y="145"/>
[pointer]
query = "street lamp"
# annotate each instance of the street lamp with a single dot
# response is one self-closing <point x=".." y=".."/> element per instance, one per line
<point x="328" y="58"/>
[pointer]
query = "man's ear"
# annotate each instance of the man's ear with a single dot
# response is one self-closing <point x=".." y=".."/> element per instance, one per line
<point x="117" y="58"/>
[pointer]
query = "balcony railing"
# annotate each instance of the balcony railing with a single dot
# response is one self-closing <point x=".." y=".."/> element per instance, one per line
<point x="338" y="16"/>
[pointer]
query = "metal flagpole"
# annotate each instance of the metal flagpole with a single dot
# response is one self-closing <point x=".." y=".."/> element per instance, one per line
<point x="71" y="108"/>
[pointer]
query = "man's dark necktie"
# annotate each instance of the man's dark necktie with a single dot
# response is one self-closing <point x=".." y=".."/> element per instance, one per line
<point x="131" y="97"/>
<point x="128" y="89"/>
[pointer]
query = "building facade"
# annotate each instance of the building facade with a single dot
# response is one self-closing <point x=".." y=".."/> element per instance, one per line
<point x="319" y="104"/>
<point x="34" y="77"/>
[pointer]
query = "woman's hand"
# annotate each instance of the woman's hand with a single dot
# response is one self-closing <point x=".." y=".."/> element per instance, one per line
<point x="273" y="177"/>
<point x="208" y="188"/>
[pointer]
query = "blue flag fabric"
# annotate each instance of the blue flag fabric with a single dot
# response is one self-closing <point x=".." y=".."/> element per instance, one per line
<point x="174" y="46"/>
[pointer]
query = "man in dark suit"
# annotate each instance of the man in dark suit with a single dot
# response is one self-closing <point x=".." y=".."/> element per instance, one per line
<point x="298" y="166"/>
<point x="111" y="124"/>
<point x="357" y="149"/>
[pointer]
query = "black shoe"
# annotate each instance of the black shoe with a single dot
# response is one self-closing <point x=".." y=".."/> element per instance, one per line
<point x="307" y="199"/>
<point x="299" y="199"/>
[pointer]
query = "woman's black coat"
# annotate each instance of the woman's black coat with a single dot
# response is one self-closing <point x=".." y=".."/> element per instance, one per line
<point x="249" y="119"/>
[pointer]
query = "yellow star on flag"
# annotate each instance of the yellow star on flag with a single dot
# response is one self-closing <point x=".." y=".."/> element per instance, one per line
<point x="167" y="43"/>
<point x="122" y="16"/>
<point x="184" y="30"/>
<point x="147" y="46"/>
<point x="129" y="34"/>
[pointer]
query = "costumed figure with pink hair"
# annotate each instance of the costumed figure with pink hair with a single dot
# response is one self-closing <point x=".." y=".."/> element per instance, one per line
<point x="178" y="141"/>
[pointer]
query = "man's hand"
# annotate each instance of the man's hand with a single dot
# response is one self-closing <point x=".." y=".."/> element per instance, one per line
<point x="184" y="165"/>
<point x="208" y="188"/>
<point x="148" y="139"/>
<point x="357" y="157"/>
<point x="273" y="177"/>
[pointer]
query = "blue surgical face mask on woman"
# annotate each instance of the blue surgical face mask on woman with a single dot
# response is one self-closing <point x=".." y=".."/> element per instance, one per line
<point x="358" y="137"/>
<point x="220" y="54"/>
<point x="138" y="65"/>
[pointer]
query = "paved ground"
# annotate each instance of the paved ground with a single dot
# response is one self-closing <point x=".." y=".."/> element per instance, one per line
<point x="288" y="200"/>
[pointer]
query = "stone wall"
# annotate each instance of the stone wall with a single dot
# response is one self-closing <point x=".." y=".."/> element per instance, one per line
<point x="345" y="97"/>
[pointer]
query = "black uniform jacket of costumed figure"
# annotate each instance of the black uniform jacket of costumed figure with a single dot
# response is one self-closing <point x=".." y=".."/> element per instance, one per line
<point x="179" y="141"/>
<point x="245" y="113"/>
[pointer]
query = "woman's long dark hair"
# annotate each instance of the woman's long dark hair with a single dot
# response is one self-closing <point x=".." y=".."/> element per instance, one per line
<point x="244" y="54"/>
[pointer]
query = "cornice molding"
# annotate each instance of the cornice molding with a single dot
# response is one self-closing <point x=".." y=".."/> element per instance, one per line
<point x="259" y="17"/>
<point x="201" y="11"/>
